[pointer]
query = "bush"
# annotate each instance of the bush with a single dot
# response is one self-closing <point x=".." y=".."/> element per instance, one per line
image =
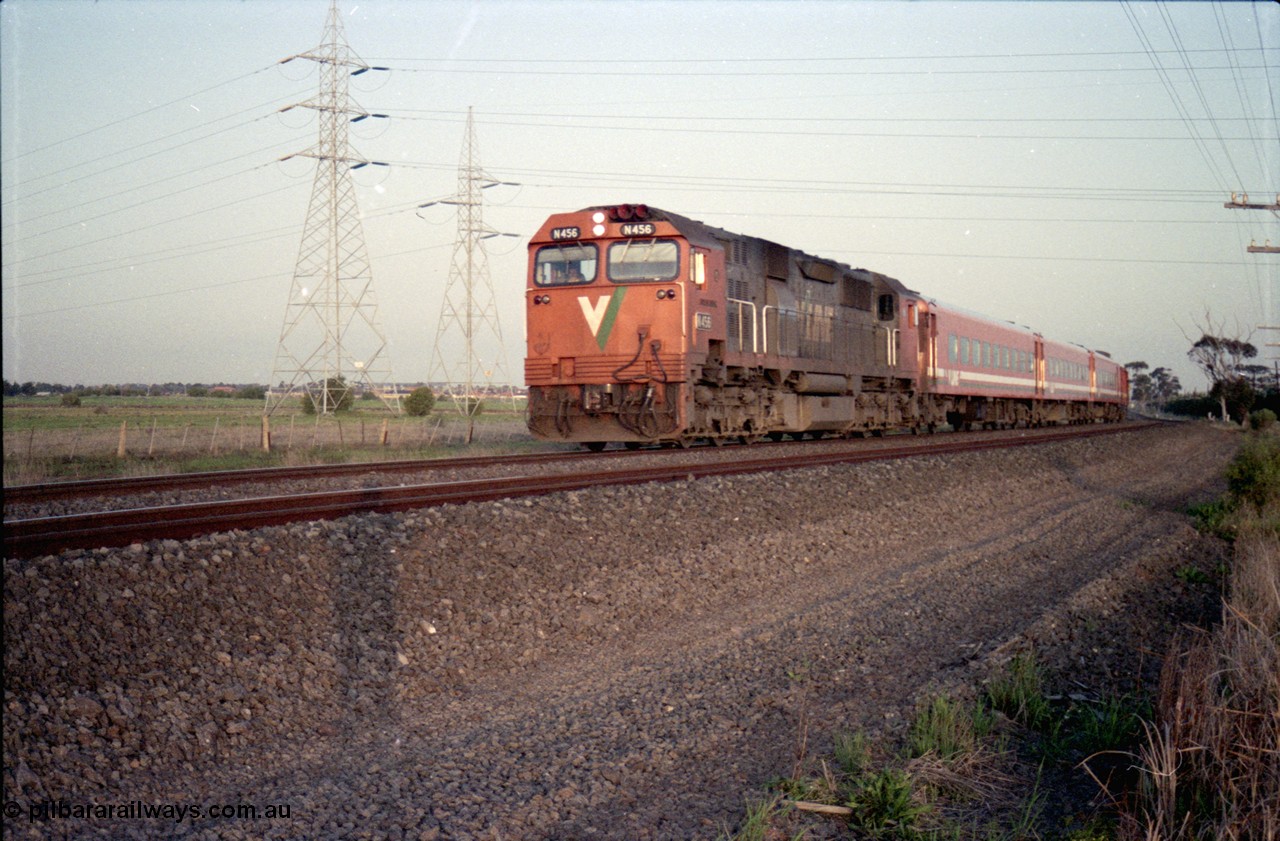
<point x="340" y="396"/>
<point x="1262" y="419"/>
<point x="1254" y="475"/>
<point x="252" y="392"/>
<point x="419" y="402"/>
<point x="70" y="399"/>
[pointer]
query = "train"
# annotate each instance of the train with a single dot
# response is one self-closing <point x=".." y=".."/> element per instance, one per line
<point x="645" y="327"/>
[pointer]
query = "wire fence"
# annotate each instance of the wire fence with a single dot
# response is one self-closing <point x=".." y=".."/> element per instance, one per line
<point x="162" y="438"/>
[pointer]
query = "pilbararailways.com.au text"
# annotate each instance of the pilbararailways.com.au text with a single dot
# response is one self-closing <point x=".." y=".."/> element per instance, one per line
<point x="134" y="810"/>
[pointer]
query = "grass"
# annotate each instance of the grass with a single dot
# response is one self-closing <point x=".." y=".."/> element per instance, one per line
<point x="44" y="440"/>
<point x="1208" y="763"/>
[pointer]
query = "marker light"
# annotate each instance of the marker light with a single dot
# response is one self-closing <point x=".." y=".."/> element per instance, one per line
<point x="598" y="230"/>
<point x="597" y="217"/>
<point x="662" y="293"/>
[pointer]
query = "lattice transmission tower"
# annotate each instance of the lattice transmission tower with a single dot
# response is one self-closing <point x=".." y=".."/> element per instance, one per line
<point x="332" y="341"/>
<point x="469" y="312"/>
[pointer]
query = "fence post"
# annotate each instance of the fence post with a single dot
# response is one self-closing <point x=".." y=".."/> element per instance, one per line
<point x="151" y="442"/>
<point x="213" y="441"/>
<point x="121" y="452"/>
<point x="385" y="438"/>
<point x="266" y="434"/>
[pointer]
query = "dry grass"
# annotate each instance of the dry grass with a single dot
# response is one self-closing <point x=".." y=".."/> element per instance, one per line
<point x="1211" y="764"/>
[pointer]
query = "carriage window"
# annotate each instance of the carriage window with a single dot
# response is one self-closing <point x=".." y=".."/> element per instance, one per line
<point x="964" y="351"/>
<point x="953" y="348"/>
<point x="565" y="265"/>
<point x="644" y="260"/>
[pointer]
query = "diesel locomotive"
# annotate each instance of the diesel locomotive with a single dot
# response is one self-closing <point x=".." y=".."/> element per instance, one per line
<point x="646" y="327"/>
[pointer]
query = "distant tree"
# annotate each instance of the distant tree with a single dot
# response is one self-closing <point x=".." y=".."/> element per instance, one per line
<point x="1140" y="386"/>
<point x="252" y="392"/>
<point x="197" y="391"/>
<point x="336" y="396"/>
<point x="1222" y="359"/>
<point x="1165" y="385"/>
<point x="419" y="402"/>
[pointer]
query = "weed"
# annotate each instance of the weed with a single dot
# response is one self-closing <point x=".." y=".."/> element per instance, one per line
<point x="1214" y="517"/>
<point x="947" y="728"/>
<point x="852" y="753"/>
<point x="887" y="804"/>
<point x="1111" y="725"/>
<point x="1192" y="575"/>
<point x="755" y="825"/>
<point x="1019" y="693"/>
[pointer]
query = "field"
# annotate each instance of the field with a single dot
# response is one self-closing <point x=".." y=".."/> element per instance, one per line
<point x="112" y="436"/>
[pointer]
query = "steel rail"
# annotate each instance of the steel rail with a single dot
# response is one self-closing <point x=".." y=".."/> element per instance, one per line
<point x="48" y="535"/>
<point x="121" y="486"/>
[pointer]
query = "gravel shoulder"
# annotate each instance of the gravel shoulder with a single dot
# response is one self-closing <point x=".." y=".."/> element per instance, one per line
<point x="614" y="663"/>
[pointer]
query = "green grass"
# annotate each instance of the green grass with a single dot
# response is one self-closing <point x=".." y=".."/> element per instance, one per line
<point x="44" y="440"/>
<point x="1018" y="692"/>
<point x="947" y="728"/>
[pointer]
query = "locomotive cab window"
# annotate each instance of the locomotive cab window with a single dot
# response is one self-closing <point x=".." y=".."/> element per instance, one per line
<point x="565" y="264"/>
<point x="886" y="308"/>
<point x="643" y="260"/>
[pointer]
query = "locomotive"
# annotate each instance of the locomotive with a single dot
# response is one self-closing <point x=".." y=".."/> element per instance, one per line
<point x="646" y="327"/>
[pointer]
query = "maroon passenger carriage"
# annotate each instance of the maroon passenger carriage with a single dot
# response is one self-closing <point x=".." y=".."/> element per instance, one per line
<point x="648" y="327"/>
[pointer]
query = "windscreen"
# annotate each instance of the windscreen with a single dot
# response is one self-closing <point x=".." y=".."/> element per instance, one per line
<point x="644" y="260"/>
<point x="566" y="264"/>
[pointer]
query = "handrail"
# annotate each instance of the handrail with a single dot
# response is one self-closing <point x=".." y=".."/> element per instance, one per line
<point x="740" y="305"/>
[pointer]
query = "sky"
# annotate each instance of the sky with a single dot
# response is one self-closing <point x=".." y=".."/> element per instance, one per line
<point x="1060" y="165"/>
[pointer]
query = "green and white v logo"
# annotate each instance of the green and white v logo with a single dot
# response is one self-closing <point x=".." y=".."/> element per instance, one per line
<point x="600" y="315"/>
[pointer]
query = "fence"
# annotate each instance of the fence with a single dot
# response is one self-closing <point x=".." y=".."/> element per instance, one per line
<point x="169" y="438"/>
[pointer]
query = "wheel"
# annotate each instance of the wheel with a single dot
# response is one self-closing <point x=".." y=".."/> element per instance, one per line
<point x="595" y="446"/>
<point x="632" y="445"/>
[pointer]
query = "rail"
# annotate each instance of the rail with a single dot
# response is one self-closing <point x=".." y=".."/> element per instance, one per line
<point x="24" y="538"/>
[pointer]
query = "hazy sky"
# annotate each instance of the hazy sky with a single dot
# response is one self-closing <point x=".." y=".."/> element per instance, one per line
<point x="1061" y="165"/>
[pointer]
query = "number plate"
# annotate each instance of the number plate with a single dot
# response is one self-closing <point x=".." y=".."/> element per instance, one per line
<point x="703" y="321"/>
<point x="566" y="233"/>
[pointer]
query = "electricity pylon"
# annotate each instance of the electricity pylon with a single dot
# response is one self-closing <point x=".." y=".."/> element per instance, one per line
<point x="469" y="307"/>
<point x="331" y="339"/>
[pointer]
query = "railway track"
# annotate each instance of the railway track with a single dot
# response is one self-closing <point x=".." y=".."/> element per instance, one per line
<point x="29" y="537"/>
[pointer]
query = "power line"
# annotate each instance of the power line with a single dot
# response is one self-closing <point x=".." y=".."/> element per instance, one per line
<point x="88" y="132"/>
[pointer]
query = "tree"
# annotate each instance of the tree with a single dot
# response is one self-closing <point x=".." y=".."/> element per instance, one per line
<point x="1165" y="385"/>
<point x="334" y="395"/>
<point x="1222" y="360"/>
<point x="1140" y="385"/>
<point x="419" y="402"/>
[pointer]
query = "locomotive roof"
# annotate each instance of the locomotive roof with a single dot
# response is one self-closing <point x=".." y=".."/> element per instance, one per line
<point x="709" y="235"/>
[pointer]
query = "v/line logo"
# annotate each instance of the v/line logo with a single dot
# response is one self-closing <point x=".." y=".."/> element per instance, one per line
<point x="601" y="315"/>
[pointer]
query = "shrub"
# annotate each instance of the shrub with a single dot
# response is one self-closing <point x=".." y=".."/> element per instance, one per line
<point x="419" y="402"/>
<point x="70" y="399"/>
<point x="1262" y="419"/>
<point x="340" y="396"/>
<point x="1254" y="475"/>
